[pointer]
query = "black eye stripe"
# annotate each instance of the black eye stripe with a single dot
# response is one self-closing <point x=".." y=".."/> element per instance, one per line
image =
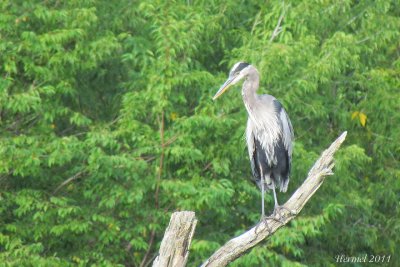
<point x="241" y="66"/>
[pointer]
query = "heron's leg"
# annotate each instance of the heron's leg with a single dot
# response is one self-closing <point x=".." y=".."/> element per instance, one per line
<point x="277" y="207"/>
<point x="263" y="217"/>
<point x="275" y="198"/>
<point x="262" y="197"/>
<point x="262" y="192"/>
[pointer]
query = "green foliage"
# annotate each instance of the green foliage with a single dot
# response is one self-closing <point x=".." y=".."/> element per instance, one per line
<point x="107" y="127"/>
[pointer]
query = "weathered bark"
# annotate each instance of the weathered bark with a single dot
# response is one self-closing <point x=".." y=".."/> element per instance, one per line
<point x="174" y="250"/>
<point x="176" y="242"/>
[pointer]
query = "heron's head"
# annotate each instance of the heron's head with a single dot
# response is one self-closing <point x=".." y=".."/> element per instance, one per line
<point x="238" y="72"/>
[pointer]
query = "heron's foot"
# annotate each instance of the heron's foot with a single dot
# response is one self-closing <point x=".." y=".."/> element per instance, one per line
<point x="265" y="219"/>
<point x="278" y="211"/>
<point x="271" y="217"/>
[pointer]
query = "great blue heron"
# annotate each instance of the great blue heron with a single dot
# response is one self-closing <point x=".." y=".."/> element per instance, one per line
<point x="269" y="133"/>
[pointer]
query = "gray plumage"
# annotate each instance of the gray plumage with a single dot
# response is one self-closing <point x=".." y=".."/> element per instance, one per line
<point x="269" y="132"/>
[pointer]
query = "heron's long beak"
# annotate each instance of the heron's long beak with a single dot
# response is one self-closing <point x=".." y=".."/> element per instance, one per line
<point x="223" y="88"/>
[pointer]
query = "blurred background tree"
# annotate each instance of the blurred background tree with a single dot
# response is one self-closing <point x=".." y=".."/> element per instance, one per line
<point x="107" y="127"/>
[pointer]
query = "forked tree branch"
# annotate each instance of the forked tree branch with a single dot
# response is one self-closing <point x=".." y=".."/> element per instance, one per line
<point x="278" y="27"/>
<point x="175" y="244"/>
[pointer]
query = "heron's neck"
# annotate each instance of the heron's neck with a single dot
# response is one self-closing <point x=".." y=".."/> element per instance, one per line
<point x="249" y="90"/>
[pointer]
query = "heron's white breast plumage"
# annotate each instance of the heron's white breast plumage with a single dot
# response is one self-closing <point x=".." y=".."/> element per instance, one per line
<point x="263" y="124"/>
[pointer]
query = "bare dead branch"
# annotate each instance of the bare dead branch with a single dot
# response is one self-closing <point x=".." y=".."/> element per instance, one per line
<point x="278" y="27"/>
<point x="174" y="250"/>
<point x="237" y="246"/>
<point x="69" y="180"/>
<point x="176" y="242"/>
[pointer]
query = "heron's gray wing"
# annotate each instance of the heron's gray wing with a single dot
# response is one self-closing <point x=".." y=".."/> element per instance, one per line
<point x="251" y="148"/>
<point x="286" y="127"/>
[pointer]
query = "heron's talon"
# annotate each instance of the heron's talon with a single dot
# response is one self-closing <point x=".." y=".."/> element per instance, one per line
<point x="272" y="217"/>
<point x="264" y="219"/>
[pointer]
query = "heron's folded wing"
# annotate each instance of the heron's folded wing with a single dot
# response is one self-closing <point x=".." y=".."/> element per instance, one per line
<point x="251" y="149"/>
<point x="287" y="132"/>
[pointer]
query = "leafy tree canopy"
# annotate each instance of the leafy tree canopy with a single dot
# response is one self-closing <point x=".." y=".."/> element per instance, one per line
<point x="107" y="127"/>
